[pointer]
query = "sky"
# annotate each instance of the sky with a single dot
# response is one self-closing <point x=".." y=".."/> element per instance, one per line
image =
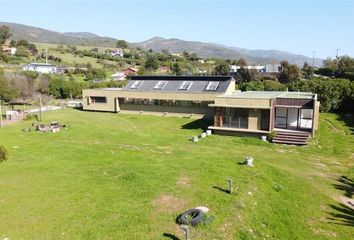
<point x="297" y="26"/>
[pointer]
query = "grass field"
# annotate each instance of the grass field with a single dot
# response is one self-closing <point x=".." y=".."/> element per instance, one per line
<point x="114" y="176"/>
<point x="68" y="58"/>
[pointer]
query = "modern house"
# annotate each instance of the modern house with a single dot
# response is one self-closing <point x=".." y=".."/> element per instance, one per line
<point x="213" y="97"/>
<point x="260" y="112"/>
<point x="170" y="95"/>
<point x="40" y="68"/>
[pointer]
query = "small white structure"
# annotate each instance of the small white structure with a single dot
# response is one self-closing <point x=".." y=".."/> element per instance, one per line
<point x="117" y="53"/>
<point x="268" y="68"/>
<point x="10" y="50"/>
<point x="74" y="104"/>
<point x="118" y="76"/>
<point x="40" y="68"/>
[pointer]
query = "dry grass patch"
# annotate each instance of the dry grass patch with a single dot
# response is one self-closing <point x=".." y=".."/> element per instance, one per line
<point x="184" y="182"/>
<point x="169" y="204"/>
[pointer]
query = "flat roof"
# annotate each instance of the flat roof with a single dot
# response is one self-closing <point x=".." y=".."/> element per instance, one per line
<point x="270" y="94"/>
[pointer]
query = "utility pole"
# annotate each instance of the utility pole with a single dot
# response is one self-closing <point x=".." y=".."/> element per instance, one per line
<point x="337" y="56"/>
<point x="40" y="108"/>
<point x="313" y="59"/>
<point x="0" y="115"/>
<point x="46" y="56"/>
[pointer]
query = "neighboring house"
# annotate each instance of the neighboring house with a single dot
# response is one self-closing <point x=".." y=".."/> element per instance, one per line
<point x="130" y="71"/>
<point x="117" y="53"/>
<point x="213" y="97"/>
<point x="9" y="50"/>
<point x="164" y="69"/>
<point x="118" y="76"/>
<point x="272" y="68"/>
<point x="40" y="68"/>
<point x="268" y="68"/>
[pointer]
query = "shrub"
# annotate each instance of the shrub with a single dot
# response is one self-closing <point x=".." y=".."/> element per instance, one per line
<point x="271" y="135"/>
<point x="3" y="154"/>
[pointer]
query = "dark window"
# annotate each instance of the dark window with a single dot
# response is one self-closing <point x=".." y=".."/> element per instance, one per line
<point x="98" y="99"/>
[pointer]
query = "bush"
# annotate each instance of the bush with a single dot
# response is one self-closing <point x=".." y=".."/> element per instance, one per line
<point x="3" y="154"/>
<point x="271" y="135"/>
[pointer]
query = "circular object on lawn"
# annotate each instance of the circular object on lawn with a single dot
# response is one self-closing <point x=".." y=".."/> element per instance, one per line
<point x="191" y="217"/>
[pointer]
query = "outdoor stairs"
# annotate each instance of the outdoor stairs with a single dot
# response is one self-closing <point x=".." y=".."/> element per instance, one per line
<point x="291" y="138"/>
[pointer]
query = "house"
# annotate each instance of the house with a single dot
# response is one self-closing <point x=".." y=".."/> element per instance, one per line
<point x="130" y="71"/>
<point x="178" y="95"/>
<point x="40" y="68"/>
<point x="118" y="76"/>
<point x="117" y="53"/>
<point x="261" y="112"/>
<point x="9" y="50"/>
<point x="268" y="68"/>
<point x="235" y="68"/>
<point x="164" y="69"/>
<point x="213" y="97"/>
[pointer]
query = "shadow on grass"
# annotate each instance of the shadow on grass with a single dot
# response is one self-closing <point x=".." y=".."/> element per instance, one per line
<point x="348" y="120"/>
<point x="345" y="184"/>
<point x="221" y="189"/>
<point x="202" y="124"/>
<point x="342" y="215"/>
<point x="170" y="236"/>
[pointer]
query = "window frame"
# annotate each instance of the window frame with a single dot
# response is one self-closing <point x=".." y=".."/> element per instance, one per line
<point x="156" y="87"/>
<point x="185" y="89"/>
<point x="99" y="102"/>
<point x="137" y="84"/>
<point x="210" y="84"/>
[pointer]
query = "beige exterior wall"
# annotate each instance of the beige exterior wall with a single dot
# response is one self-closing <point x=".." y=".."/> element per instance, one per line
<point x="316" y="114"/>
<point x="242" y="102"/>
<point x="110" y="106"/>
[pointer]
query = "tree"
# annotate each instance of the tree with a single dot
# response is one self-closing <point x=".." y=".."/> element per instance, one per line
<point x="307" y="71"/>
<point x="121" y="44"/>
<point x="4" y="34"/>
<point x="176" y="69"/>
<point x="289" y="72"/>
<point x="222" y="69"/>
<point x="151" y="63"/>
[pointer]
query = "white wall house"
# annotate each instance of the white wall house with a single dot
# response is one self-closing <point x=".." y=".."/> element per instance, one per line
<point x="40" y="68"/>
<point x="117" y="53"/>
<point x="268" y="68"/>
<point x="118" y="76"/>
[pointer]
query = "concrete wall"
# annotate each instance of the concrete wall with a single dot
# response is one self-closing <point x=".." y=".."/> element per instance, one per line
<point x="316" y="114"/>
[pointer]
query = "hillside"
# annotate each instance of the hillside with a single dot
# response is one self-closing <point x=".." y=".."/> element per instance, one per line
<point x="34" y="34"/>
<point x="205" y="50"/>
<point x="220" y="51"/>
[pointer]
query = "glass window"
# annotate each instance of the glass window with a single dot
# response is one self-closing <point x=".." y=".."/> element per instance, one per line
<point x="98" y="99"/>
<point x="212" y="86"/>
<point x="136" y="84"/>
<point x="160" y="84"/>
<point x="185" y="85"/>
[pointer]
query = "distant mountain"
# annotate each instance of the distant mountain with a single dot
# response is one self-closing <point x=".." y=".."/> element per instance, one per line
<point x="34" y="34"/>
<point x="206" y="50"/>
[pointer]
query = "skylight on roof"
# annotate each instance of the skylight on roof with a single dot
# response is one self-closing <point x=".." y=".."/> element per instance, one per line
<point x="160" y="84"/>
<point x="136" y="84"/>
<point x="212" y="86"/>
<point x="185" y="85"/>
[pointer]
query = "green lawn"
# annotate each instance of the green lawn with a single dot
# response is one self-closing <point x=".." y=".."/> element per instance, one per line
<point x="114" y="176"/>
